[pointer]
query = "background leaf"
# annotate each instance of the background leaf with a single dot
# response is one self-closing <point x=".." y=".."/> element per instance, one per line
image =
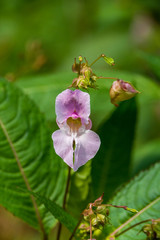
<point x="117" y="135"/>
<point x="152" y="61"/>
<point x="145" y="156"/>
<point x="25" y="159"/>
<point x="143" y="194"/>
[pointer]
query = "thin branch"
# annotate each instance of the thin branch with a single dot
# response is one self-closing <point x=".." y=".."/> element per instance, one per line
<point x="74" y="231"/>
<point x="136" y="224"/>
<point x="64" y="201"/>
<point x="102" y="55"/>
<point x="108" y="78"/>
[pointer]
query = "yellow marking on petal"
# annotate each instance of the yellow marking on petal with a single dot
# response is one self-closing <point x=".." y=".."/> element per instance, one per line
<point x="74" y="124"/>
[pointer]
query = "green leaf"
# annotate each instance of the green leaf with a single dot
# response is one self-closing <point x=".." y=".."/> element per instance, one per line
<point x="110" y="166"/>
<point x="58" y="212"/>
<point x="145" y="156"/>
<point x="26" y="159"/>
<point x="143" y="194"/>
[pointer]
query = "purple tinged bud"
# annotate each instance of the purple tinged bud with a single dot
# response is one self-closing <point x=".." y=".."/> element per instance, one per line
<point x="121" y="91"/>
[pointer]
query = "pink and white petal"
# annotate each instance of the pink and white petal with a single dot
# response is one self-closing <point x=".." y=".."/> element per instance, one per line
<point x="65" y="105"/>
<point x="87" y="146"/>
<point x="82" y="104"/>
<point x="63" y="145"/>
<point x="70" y="103"/>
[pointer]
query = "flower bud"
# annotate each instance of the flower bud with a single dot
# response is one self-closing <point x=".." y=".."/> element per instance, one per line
<point x="103" y="210"/>
<point x="131" y="210"/>
<point x="80" y="58"/>
<point x="94" y="221"/>
<point x="108" y="60"/>
<point x="121" y="91"/>
<point x="98" y="201"/>
<point x="101" y="218"/>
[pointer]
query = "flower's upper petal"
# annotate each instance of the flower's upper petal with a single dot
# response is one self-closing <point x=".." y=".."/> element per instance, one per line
<point x="87" y="146"/>
<point x="69" y="103"/>
<point x="63" y="145"/>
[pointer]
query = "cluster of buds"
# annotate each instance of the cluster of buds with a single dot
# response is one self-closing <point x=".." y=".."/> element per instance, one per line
<point x="85" y="76"/>
<point x="95" y="216"/>
<point x="119" y="91"/>
<point x="152" y="230"/>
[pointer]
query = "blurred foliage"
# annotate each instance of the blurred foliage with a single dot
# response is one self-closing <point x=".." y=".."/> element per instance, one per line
<point x="44" y="37"/>
<point x="38" y="39"/>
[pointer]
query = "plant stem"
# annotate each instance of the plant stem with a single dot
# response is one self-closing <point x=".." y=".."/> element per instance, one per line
<point x="107" y="78"/>
<point x="45" y="237"/>
<point x="74" y="231"/>
<point x="96" y="60"/>
<point x="90" y="229"/>
<point x="64" y="202"/>
<point x="136" y="224"/>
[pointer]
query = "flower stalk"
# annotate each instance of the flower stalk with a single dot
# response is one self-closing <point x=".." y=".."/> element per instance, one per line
<point x="64" y="201"/>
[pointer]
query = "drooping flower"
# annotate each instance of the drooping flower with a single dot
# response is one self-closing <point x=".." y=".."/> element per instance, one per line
<point x="75" y="143"/>
<point x="121" y="91"/>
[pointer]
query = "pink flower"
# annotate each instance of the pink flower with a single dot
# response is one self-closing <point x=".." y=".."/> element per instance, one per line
<point x="75" y="143"/>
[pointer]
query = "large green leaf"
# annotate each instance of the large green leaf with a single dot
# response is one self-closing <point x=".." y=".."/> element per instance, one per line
<point x="143" y="194"/>
<point x="110" y="166"/>
<point x="25" y="159"/>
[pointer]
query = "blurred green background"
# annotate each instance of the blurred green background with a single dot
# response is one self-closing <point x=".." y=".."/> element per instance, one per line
<point x="42" y="37"/>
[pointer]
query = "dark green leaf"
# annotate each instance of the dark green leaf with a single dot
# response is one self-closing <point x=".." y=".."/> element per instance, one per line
<point x="145" y="156"/>
<point x="110" y="166"/>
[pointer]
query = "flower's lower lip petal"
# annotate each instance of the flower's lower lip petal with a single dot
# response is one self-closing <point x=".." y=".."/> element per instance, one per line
<point x="87" y="146"/>
<point x="63" y="145"/>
